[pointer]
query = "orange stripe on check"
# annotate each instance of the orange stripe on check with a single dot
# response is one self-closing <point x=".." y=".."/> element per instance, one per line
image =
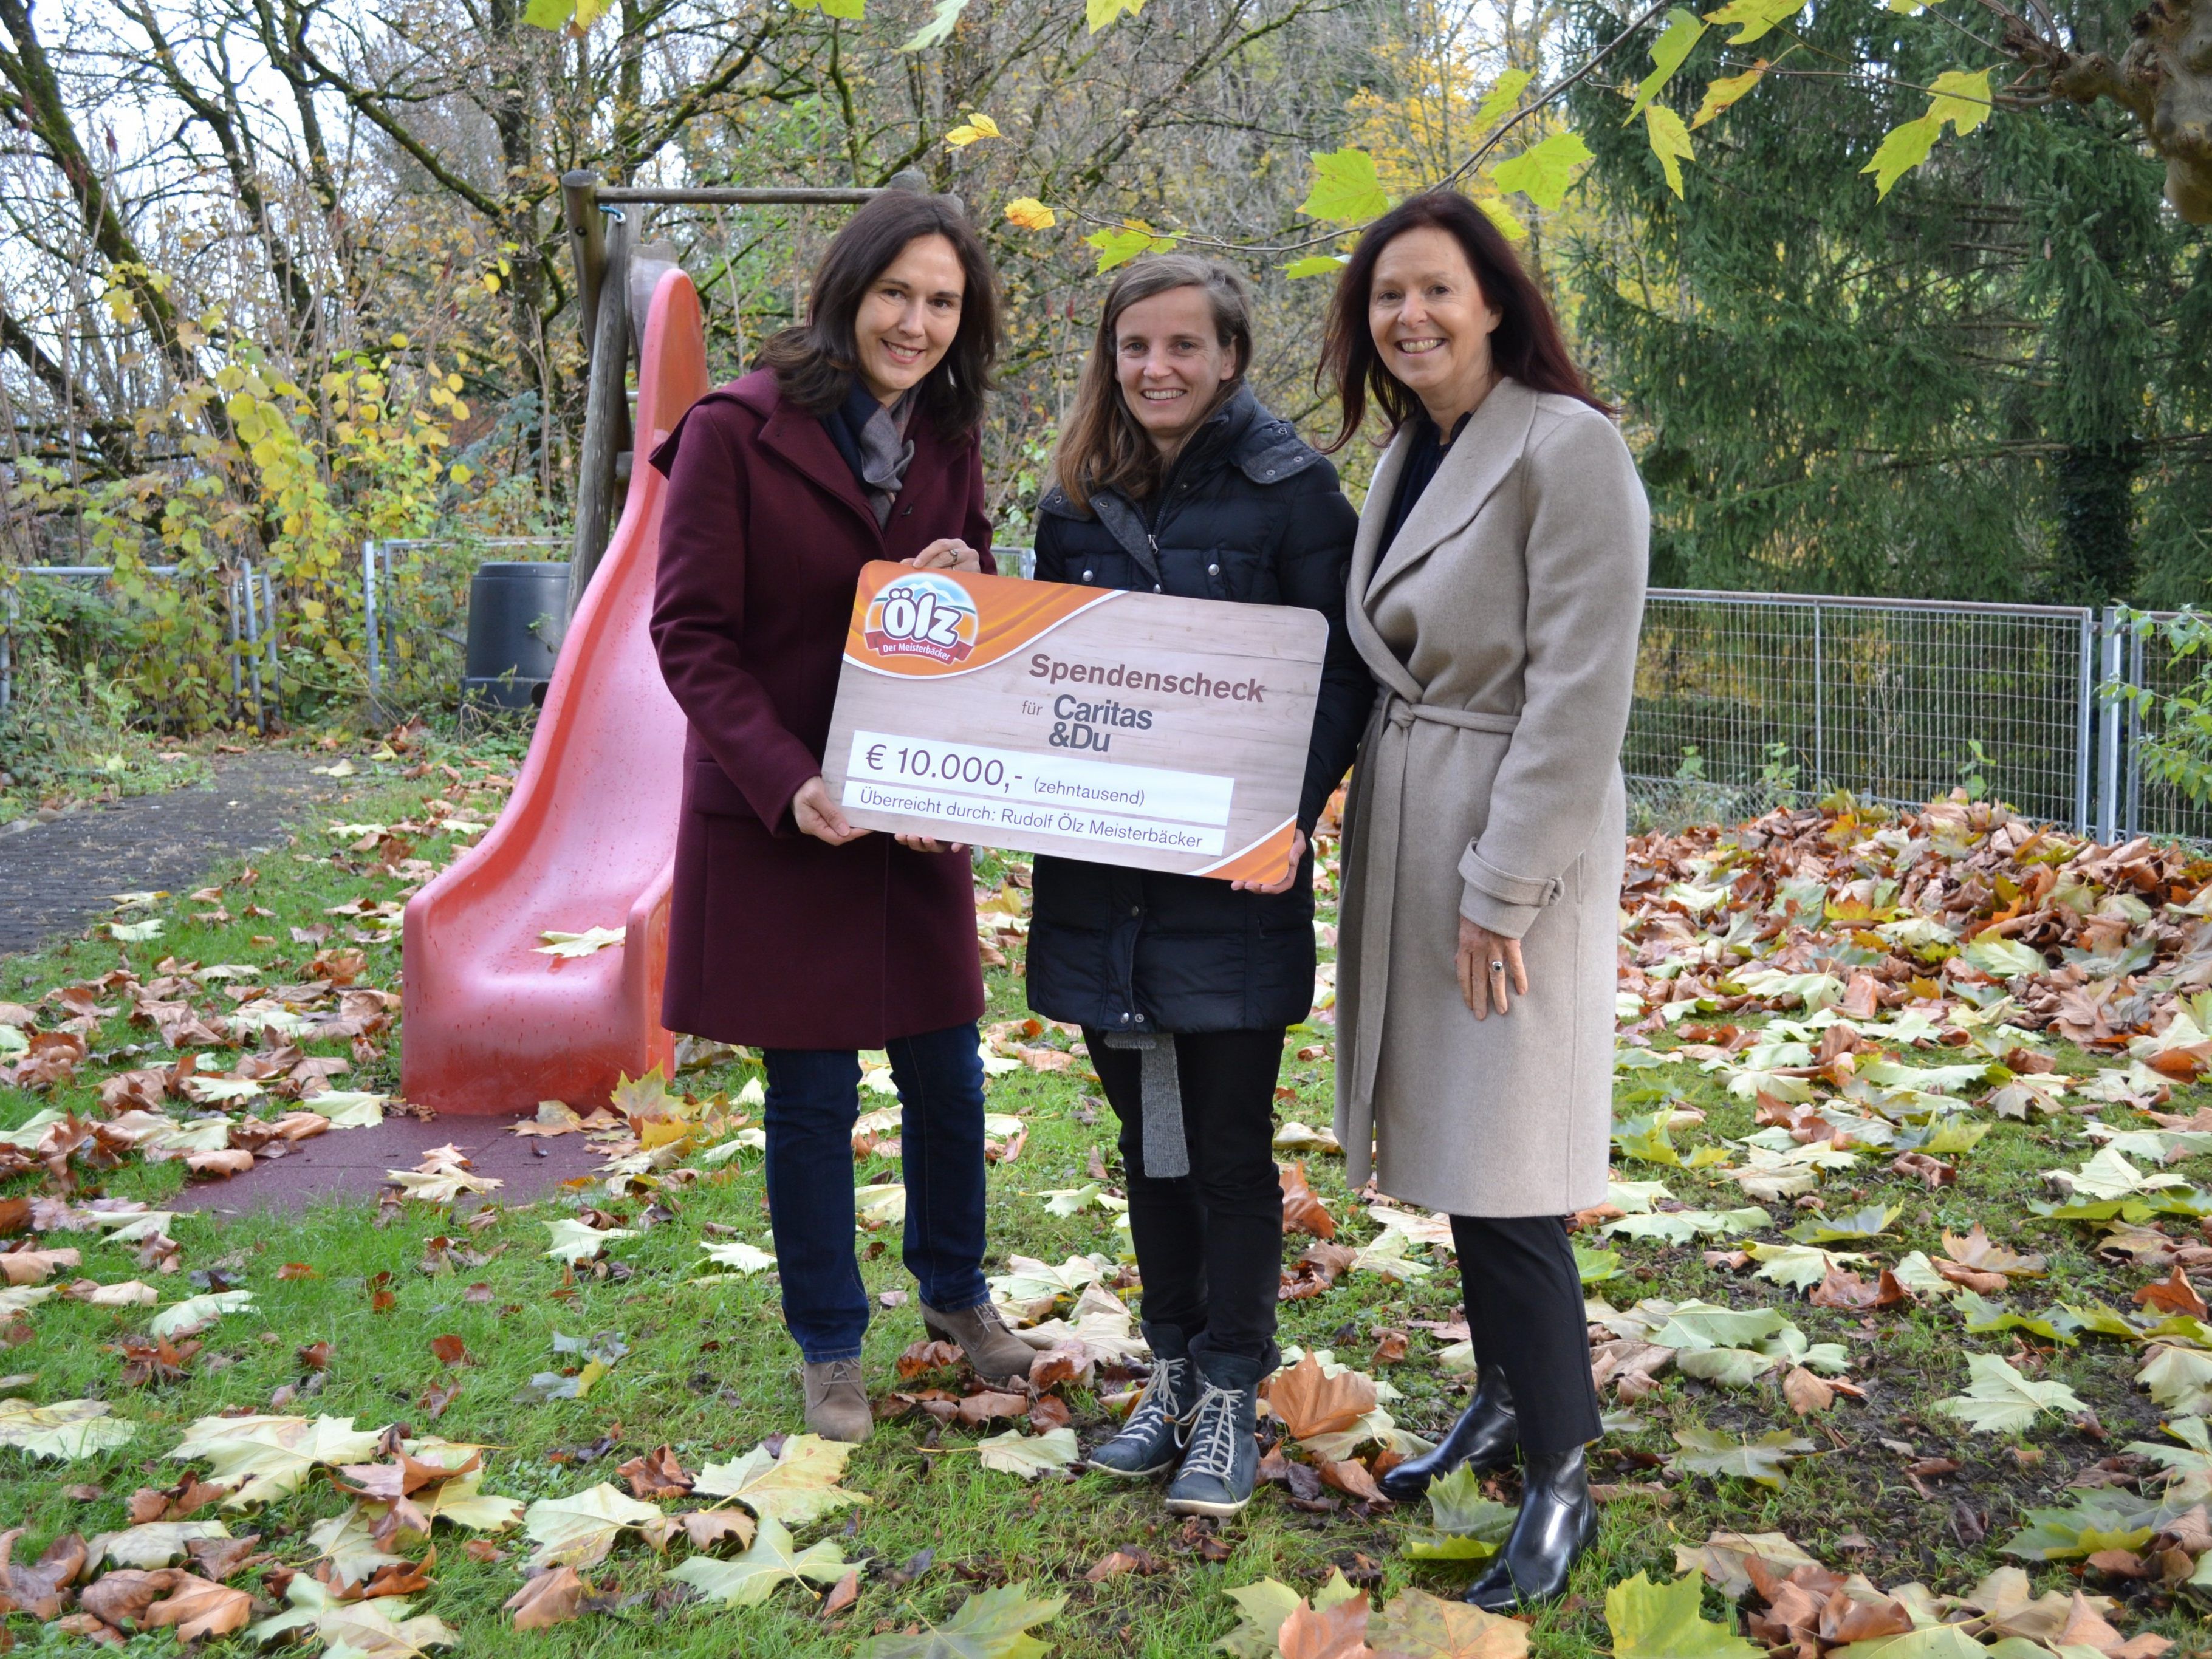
<point x="1011" y="612"/>
<point x="1264" y="860"/>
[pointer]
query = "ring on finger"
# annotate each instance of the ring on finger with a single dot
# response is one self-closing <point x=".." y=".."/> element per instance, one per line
<point x="1496" y="967"/>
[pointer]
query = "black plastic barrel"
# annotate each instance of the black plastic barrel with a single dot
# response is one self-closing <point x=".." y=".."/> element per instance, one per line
<point x="517" y="614"/>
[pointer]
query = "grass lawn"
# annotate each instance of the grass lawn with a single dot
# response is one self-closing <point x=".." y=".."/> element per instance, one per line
<point x="351" y="1305"/>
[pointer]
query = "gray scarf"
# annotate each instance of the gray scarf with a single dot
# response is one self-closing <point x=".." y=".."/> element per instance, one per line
<point x="1166" y="1150"/>
<point x="885" y="453"/>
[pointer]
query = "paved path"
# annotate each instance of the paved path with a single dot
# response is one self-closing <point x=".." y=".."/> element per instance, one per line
<point x="58" y="877"/>
<point x="349" y="1164"/>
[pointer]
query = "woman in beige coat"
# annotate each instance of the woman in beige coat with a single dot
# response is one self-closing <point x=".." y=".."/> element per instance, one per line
<point x="1496" y="591"/>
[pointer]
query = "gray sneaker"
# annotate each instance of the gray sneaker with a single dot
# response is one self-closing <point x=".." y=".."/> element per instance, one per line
<point x="1220" y="1459"/>
<point x="1151" y="1439"/>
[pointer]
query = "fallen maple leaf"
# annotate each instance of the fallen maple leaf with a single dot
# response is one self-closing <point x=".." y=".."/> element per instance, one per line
<point x="659" y="1473"/>
<point x="1930" y="1172"/>
<point x="578" y="1531"/>
<point x="748" y="1579"/>
<point x="1843" y="1289"/>
<point x="1303" y="1212"/>
<point x="1981" y="1283"/>
<point x="121" y="1598"/>
<point x="2173" y="1295"/>
<point x="1978" y="1250"/>
<point x="157" y="1360"/>
<point x="1316" y="1270"/>
<point x="37" y="1588"/>
<point x="219" y="1558"/>
<point x="553" y="1597"/>
<point x="988" y="1404"/>
<point x="1140" y="1562"/>
<point x="1418" y="1625"/>
<point x="1351" y="1477"/>
<point x="199" y="1608"/>
<point x="1337" y="1632"/>
<point x="1029" y="1455"/>
<point x="993" y="1622"/>
<point x="1806" y="1392"/>
<point x="1308" y="1401"/>
<point x="33" y="1266"/>
<point x="927" y="1355"/>
<point x="707" y="1527"/>
<point x="796" y="1484"/>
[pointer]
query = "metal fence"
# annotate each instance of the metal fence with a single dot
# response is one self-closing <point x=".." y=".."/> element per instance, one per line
<point x="1740" y="695"/>
<point x="249" y="617"/>
<point x="1744" y="700"/>
<point x="415" y="608"/>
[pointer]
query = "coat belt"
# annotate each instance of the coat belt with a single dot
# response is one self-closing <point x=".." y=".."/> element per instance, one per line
<point x="1383" y="810"/>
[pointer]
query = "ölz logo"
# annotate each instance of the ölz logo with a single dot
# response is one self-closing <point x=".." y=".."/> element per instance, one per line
<point x="921" y="615"/>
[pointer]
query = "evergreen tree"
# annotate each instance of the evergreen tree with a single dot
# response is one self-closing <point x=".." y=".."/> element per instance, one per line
<point x="1994" y="383"/>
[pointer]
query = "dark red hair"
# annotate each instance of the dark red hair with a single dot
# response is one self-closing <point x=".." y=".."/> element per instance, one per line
<point x="1527" y="344"/>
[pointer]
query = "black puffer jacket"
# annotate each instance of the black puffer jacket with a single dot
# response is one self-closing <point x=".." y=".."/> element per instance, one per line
<point x="1250" y="514"/>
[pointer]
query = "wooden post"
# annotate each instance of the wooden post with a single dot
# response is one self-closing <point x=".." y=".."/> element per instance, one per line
<point x="648" y="261"/>
<point x="587" y="244"/>
<point x="606" y="415"/>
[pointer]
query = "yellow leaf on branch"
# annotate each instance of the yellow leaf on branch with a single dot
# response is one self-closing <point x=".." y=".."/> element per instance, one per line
<point x="977" y="126"/>
<point x="1962" y="99"/>
<point x="1726" y="90"/>
<point x="1670" y="143"/>
<point x="1904" y="149"/>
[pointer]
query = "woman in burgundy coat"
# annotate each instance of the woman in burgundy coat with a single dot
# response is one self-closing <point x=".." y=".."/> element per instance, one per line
<point x="856" y="438"/>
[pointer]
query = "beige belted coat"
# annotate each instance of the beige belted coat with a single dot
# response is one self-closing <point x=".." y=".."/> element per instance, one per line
<point x="1501" y="626"/>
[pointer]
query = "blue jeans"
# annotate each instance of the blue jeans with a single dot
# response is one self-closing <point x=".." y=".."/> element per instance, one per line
<point x="813" y="1097"/>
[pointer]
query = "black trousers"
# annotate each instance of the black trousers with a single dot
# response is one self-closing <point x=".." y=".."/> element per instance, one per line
<point x="1209" y="1244"/>
<point x="1524" y="1315"/>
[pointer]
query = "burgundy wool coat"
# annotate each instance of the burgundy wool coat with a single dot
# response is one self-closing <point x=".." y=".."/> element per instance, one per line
<point x="776" y="939"/>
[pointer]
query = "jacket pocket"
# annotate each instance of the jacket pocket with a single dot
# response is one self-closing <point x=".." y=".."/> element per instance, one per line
<point x="708" y="790"/>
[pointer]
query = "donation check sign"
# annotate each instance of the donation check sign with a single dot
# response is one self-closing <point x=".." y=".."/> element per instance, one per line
<point x="1126" y="728"/>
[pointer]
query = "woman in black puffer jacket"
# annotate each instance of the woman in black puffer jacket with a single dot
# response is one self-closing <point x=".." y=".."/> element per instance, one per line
<point x="1171" y="478"/>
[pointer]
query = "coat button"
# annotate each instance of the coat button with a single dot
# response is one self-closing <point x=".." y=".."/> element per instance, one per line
<point x="1136" y="909"/>
<point x="1125" y="1019"/>
<point x="1213" y="570"/>
<point x="1087" y="575"/>
<point x="1156" y="587"/>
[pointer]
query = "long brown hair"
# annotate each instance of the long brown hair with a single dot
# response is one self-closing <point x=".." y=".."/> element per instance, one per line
<point x="815" y="362"/>
<point x="1101" y="445"/>
<point x="1526" y="345"/>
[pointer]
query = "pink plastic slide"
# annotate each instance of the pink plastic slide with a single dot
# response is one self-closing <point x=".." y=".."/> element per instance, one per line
<point x="588" y="840"/>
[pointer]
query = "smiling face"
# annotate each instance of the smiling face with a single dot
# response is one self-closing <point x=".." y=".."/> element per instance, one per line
<point x="906" y="321"/>
<point x="1170" y="363"/>
<point x="1432" y="323"/>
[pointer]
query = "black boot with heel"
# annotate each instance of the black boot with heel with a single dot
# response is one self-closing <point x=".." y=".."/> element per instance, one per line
<point x="1557" y="1519"/>
<point x="1484" y="1438"/>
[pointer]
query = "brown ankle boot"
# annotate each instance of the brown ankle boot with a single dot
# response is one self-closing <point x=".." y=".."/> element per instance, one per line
<point x="997" y="1354"/>
<point x="837" y="1401"/>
